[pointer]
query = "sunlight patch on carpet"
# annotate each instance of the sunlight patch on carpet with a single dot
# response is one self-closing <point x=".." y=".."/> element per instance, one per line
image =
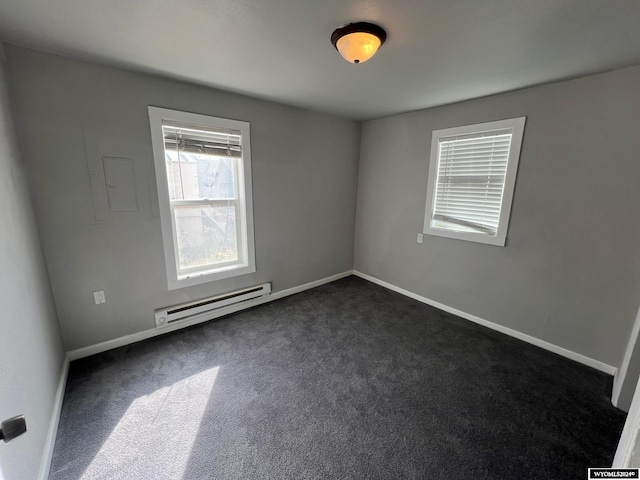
<point x="166" y="422"/>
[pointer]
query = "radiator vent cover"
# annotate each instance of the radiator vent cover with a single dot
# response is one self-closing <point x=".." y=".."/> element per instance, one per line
<point x="208" y="306"/>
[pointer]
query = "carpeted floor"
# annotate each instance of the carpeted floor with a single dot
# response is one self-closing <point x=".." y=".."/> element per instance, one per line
<point x="345" y="381"/>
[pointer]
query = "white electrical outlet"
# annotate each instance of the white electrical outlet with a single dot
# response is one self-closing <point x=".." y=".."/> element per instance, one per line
<point x="420" y="236"/>
<point x="99" y="297"/>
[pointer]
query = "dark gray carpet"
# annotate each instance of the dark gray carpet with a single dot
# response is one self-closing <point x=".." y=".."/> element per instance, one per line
<point x="345" y="381"/>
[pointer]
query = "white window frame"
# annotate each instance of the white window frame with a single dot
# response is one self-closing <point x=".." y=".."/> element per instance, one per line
<point x="517" y="126"/>
<point x="246" y="247"/>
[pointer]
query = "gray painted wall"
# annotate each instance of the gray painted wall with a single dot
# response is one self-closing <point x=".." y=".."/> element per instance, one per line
<point x="570" y="273"/>
<point x="70" y="113"/>
<point x="31" y="350"/>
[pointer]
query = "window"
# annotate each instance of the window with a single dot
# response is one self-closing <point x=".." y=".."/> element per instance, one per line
<point x="472" y="173"/>
<point x="203" y="172"/>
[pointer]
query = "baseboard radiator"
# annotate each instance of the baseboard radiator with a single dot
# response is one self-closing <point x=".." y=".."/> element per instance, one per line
<point x="178" y="313"/>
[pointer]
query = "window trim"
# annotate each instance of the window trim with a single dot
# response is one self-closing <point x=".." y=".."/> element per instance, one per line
<point x="517" y="124"/>
<point x="245" y="198"/>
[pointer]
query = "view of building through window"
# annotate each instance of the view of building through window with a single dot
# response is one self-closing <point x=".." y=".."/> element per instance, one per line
<point x="206" y="233"/>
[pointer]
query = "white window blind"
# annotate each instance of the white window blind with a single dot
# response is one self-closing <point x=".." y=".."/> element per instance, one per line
<point x="470" y="183"/>
<point x="221" y="142"/>
<point x="472" y="174"/>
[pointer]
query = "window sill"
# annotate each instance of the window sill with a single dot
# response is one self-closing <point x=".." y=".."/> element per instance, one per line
<point x="210" y="276"/>
<point x="468" y="236"/>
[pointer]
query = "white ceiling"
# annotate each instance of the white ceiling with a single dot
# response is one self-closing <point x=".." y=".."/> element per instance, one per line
<point x="437" y="51"/>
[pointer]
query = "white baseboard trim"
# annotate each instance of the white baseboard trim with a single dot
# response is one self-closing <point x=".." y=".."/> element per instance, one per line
<point x="136" y="337"/>
<point x="590" y="362"/>
<point x="47" y="454"/>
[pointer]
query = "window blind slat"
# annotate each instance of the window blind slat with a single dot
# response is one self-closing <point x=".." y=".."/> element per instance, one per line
<point x="463" y="191"/>
<point x="451" y="150"/>
<point x="473" y="203"/>
<point x="472" y="209"/>
<point x="462" y="212"/>
<point x="481" y="163"/>
<point x="472" y="189"/>
<point x="474" y="173"/>
<point x="480" y="159"/>
<point x="479" y="195"/>
<point x="477" y="139"/>
<point x="449" y="147"/>
<point x="465" y="182"/>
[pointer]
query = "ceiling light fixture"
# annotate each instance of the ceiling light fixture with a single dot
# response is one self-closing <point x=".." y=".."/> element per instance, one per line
<point x="358" y="42"/>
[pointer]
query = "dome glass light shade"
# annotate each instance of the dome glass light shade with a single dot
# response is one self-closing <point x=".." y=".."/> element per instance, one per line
<point x="358" y="42"/>
<point x="358" y="47"/>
